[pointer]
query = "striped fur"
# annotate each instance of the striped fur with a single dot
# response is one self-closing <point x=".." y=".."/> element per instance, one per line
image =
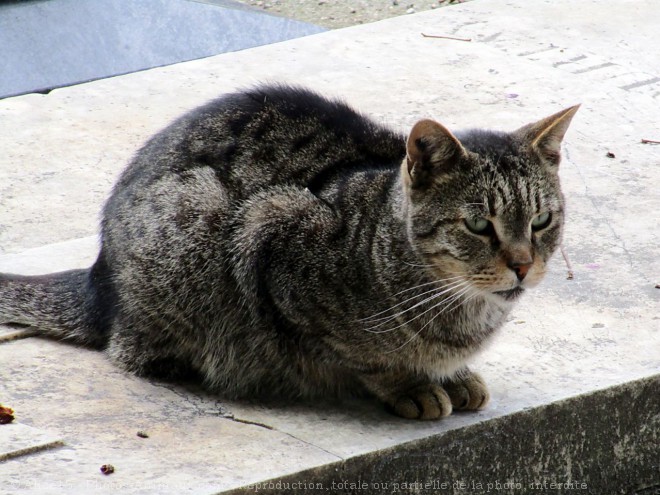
<point x="280" y="245"/>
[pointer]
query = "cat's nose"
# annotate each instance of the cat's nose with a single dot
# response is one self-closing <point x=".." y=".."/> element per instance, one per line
<point x="519" y="258"/>
<point x="520" y="269"/>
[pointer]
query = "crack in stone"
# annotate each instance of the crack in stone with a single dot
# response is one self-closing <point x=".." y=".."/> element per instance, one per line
<point x="291" y="435"/>
<point x="620" y="241"/>
<point x="231" y="417"/>
<point x="195" y="401"/>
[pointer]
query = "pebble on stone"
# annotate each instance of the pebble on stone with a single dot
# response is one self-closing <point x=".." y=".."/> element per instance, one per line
<point x="107" y="469"/>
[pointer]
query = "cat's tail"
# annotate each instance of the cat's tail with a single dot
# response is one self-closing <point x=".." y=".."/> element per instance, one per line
<point x="60" y="305"/>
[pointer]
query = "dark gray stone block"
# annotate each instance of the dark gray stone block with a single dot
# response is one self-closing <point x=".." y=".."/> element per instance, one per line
<point x="54" y="43"/>
<point x="597" y="443"/>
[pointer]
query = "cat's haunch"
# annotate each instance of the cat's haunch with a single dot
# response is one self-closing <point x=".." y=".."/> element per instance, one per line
<point x="278" y="244"/>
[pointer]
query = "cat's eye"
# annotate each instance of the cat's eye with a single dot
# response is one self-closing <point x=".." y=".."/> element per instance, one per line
<point x="541" y="221"/>
<point x="479" y="225"/>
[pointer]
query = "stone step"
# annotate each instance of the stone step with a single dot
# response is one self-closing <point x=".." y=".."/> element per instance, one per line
<point x="574" y="375"/>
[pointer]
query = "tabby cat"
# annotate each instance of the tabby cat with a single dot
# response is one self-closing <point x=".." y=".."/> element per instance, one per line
<point x="278" y="244"/>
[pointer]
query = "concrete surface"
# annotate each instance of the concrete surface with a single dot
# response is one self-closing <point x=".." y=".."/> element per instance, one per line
<point x="55" y="43"/>
<point x="574" y="375"/>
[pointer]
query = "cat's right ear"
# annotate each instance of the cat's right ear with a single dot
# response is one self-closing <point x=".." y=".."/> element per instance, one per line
<point x="545" y="136"/>
<point x="431" y="150"/>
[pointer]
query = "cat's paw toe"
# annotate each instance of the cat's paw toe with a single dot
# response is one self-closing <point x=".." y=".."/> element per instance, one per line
<point x="425" y="402"/>
<point x="468" y="393"/>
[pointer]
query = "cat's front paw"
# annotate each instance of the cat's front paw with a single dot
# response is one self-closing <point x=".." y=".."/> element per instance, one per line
<point x="467" y="391"/>
<point x="429" y="401"/>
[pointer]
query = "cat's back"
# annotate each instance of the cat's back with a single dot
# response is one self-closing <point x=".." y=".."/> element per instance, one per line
<point x="265" y="136"/>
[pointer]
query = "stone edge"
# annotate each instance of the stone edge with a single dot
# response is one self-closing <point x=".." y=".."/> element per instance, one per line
<point x="596" y="441"/>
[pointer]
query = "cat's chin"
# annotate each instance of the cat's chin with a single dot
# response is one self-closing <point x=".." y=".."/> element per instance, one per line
<point x="511" y="294"/>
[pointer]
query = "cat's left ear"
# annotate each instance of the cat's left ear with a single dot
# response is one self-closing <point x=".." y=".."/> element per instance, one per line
<point x="545" y="136"/>
<point x="431" y="150"/>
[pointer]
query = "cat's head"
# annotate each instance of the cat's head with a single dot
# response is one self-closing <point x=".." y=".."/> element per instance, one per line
<point x="486" y="207"/>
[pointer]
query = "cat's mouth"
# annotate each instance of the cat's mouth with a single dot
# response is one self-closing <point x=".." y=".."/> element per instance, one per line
<point x="511" y="294"/>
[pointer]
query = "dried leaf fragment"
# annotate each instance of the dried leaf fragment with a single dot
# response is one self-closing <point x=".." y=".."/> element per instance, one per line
<point x="6" y="415"/>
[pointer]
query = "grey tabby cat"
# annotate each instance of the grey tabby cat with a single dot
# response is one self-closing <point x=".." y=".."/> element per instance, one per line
<point x="280" y="245"/>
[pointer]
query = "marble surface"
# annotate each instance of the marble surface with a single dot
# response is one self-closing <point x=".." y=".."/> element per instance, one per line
<point x="565" y="340"/>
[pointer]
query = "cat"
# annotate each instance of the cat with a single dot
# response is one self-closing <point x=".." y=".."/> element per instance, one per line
<point x="279" y="244"/>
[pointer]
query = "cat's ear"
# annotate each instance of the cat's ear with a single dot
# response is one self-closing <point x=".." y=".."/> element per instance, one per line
<point x="545" y="136"/>
<point x="430" y="150"/>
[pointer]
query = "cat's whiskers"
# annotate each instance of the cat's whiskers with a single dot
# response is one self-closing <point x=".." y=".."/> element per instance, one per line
<point x="461" y="286"/>
<point x="398" y="315"/>
<point x="435" y="282"/>
<point x="419" y="265"/>
<point x="450" y="305"/>
<point x="438" y="281"/>
<point x="384" y="319"/>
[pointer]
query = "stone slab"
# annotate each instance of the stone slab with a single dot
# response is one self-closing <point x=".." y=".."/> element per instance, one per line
<point x="57" y="257"/>
<point x="582" y="345"/>
<point x="195" y="443"/>
<point x="45" y="45"/>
